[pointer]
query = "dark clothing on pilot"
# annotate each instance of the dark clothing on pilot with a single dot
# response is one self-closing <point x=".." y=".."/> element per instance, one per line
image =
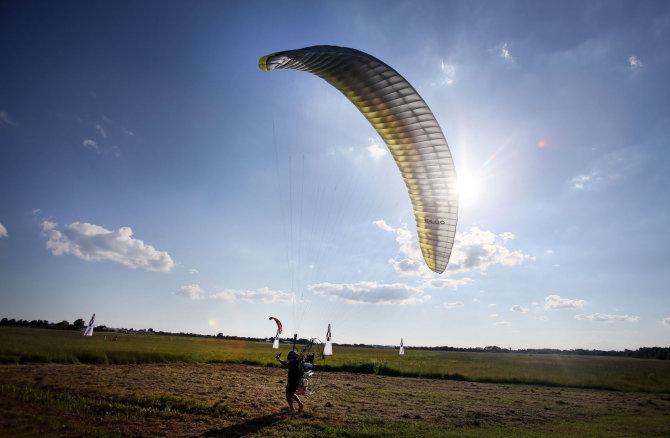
<point x="294" y="374"/>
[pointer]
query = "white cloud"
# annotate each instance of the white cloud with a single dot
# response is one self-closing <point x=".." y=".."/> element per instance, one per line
<point x="453" y="305"/>
<point x="634" y="63"/>
<point x="91" y="144"/>
<point x="492" y="305"/>
<point x="473" y="250"/>
<point x="600" y="317"/>
<point x="193" y="271"/>
<point x="479" y="249"/>
<point x="262" y="295"/>
<point x="549" y="251"/>
<point x="409" y="246"/>
<point x="666" y="321"/>
<point x="3" y="231"/>
<point x="494" y="315"/>
<point x="191" y="291"/>
<point x="451" y="283"/>
<point x="519" y="309"/>
<point x="93" y="242"/>
<point x="368" y="292"/>
<point x="556" y="302"/>
<point x="506" y="323"/>
<point x="410" y="262"/>
<point x="475" y="300"/>
<point x="5" y="120"/>
<point x="376" y="149"/>
<point x="411" y="267"/>
<point x="505" y="52"/>
<point x="448" y="73"/>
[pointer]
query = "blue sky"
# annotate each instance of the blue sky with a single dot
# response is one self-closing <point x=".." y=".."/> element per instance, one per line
<point x="154" y="175"/>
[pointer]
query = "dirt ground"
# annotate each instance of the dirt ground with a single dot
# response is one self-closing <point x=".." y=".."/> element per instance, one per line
<point x="244" y="400"/>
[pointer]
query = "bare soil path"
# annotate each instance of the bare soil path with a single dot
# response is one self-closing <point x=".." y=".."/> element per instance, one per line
<point x="243" y="400"/>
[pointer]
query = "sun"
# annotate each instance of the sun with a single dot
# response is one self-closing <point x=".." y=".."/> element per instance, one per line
<point x="468" y="187"/>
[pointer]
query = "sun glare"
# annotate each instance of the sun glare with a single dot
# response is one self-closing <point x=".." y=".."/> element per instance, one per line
<point x="468" y="187"/>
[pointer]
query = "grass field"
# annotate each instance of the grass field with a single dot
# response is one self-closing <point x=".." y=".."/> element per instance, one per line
<point x="22" y="345"/>
<point x="58" y="383"/>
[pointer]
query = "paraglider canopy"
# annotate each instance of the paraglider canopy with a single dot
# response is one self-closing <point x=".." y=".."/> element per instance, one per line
<point x="279" y="328"/>
<point x="407" y="126"/>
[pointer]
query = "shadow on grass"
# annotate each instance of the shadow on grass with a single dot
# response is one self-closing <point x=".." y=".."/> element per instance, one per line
<point x="248" y="427"/>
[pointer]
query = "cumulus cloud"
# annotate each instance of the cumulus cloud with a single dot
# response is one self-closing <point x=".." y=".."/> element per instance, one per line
<point x="556" y="302"/>
<point x="5" y="120"/>
<point x="453" y="305"/>
<point x="191" y="291"/>
<point x="666" y="321"/>
<point x="375" y="149"/>
<point x="410" y="261"/>
<point x="473" y="250"/>
<point x="600" y="317"/>
<point x="91" y="144"/>
<point x="634" y="63"/>
<point x="479" y="249"/>
<point x="519" y="309"/>
<point x="93" y="242"/>
<point x="368" y="292"/>
<point x="193" y="271"/>
<point x="263" y="295"/>
<point x="3" y="231"/>
<point x="451" y="283"/>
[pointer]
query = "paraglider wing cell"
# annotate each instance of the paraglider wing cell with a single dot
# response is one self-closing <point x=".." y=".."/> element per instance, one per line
<point x="407" y="126"/>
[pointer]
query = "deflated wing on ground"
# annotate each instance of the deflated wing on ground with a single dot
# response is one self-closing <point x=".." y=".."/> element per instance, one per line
<point x="407" y="126"/>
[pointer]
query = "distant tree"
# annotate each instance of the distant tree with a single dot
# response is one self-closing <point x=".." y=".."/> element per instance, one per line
<point x="78" y="324"/>
<point x="4" y="321"/>
<point x="220" y="335"/>
<point x="63" y="325"/>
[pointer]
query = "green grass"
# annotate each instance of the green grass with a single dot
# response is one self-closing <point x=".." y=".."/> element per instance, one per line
<point x="120" y="407"/>
<point x="24" y="345"/>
